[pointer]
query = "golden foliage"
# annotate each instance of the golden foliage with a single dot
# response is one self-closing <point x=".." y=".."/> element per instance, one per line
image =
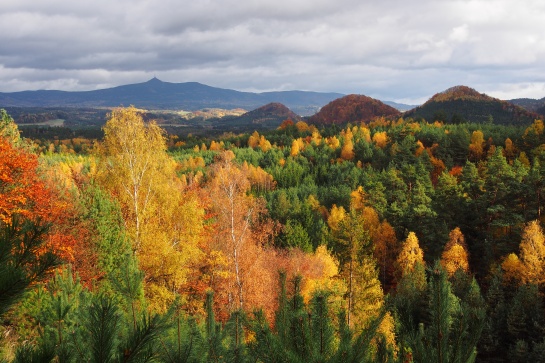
<point x="357" y="199"/>
<point x="302" y="126"/>
<point x="512" y="268"/>
<point x="336" y="215"/>
<point x="325" y="269"/>
<point x="347" y="152"/>
<point x="476" y="147"/>
<point x="240" y="229"/>
<point x="333" y="142"/>
<point x="164" y="222"/>
<point x="295" y="148"/>
<point x="455" y="256"/>
<point x="410" y="254"/>
<point x="419" y="148"/>
<point x="215" y="146"/>
<point x="380" y="139"/>
<point x="530" y="267"/>
<point x="523" y="159"/>
<point x="532" y="253"/>
<point x="316" y="137"/>
<point x="253" y="140"/>
<point x="368" y="295"/>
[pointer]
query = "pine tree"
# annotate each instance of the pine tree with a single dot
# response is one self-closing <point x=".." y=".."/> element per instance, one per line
<point x="102" y="324"/>
<point x="410" y="298"/>
<point x="493" y="344"/>
<point x="21" y="262"/>
<point x="525" y="320"/>
<point x="299" y="329"/>
<point x="235" y="338"/>
<point x="321" y="328"/>
<point x="216" y="351"/>
<point x="453" y="327"/>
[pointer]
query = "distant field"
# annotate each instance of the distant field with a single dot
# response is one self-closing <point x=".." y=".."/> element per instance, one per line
<point x="54" y="123"/>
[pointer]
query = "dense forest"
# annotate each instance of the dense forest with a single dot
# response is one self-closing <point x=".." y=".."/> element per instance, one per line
<point x="393" y="240"/>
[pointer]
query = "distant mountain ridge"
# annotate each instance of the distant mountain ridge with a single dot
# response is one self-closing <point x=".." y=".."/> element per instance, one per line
<point x="531" y="104"/>
<point x="156" y="94"/>
<point x="461" y="103"/>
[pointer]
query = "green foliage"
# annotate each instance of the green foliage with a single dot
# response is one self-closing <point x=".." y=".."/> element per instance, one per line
<point x="215" y="351"/>
<point x="21" y="262"/>
<point x="322" y="331"/>
<point x="8" y="128"/>
<point x="59" y="315"/>
<point x="453" y="325"/>
<point x="296" y="236"/>
<point x="102" y="323"/>
<point x="429" y="191"/>
<point x="110" y="241"/>
<point x="309" y="334"/>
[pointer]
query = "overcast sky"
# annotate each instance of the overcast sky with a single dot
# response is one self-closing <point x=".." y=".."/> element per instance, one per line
<point x="398" y="50"/>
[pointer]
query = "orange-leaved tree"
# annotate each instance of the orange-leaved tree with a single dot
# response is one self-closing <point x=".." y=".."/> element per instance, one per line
<point x="21" y="190"/>
<point x="241" y="227"/>
<point x="24" y="193"/>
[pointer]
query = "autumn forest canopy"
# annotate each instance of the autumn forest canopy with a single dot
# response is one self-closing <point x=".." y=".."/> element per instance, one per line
<point x="397" y="239"/>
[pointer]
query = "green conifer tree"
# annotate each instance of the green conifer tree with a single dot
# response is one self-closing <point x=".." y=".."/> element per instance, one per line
<point x="20" y="263"/>
<point x="216" y="351"/>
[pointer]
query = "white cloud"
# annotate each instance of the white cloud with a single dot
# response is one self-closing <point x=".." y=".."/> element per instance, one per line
<point x="393" y="49"/>
<point x="460" y="33"/>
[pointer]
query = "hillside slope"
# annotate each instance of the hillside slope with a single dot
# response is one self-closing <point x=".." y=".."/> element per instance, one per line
<point x="269" y="116"/>
<point x="352" y="108"/>
<point x="462" y="103"/>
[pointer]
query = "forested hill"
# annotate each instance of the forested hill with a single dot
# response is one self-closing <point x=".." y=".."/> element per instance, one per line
<point x="464" y="104"/>
<point x="269" y="117"/>
<point x="156" y="94"/>
<point x="352" y="108"/>
<point x="531" y="104"/>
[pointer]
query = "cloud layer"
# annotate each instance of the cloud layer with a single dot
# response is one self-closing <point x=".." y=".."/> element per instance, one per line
<point x="393" y="50"/>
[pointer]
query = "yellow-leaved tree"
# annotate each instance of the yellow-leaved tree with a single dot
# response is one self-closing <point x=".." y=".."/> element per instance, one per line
<point x="512" y="269"/>
<point x="529" y="268"/>
<point x="476" y="147"/>
<point x="353" y="246"/>
<point x="455" y="256"/>
<point x="380" y="139"/>
<point x="410" y="254"/>
<point x="164" y="222"/>
<point x="532" y="254"/>
<point x="382" y="236"/>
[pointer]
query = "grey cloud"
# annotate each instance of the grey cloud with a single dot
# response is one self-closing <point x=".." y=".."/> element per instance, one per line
<point x="393" y="49"/>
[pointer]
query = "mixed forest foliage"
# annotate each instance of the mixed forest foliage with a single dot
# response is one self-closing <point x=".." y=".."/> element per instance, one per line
<point x="387" y="241"/>
<point x="461" y="103"/>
